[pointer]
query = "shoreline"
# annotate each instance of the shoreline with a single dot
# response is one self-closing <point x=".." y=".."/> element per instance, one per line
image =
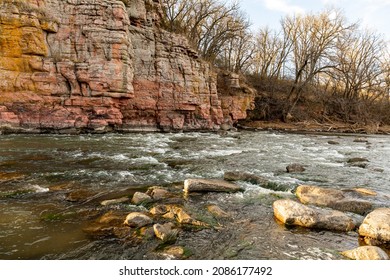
<point x="289" y="127"/>
<point x="315" y="127"/>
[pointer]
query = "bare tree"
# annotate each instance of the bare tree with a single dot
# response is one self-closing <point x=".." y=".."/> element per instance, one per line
<point x="359" y="65"/>
<point x="313" y="39"/>
<point x="272" y="50"/>
<point x="210" y="25"/>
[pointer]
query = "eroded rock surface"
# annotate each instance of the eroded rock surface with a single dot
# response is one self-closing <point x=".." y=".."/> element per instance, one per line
<point x="100" y="65"/>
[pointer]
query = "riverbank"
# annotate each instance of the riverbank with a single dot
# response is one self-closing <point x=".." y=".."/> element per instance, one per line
<point x="314" y="126"/>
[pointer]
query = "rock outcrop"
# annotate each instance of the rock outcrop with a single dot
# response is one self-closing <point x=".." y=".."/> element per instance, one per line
<point x="100" y="65"/>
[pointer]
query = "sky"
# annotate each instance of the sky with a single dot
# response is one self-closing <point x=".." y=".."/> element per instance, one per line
<point x="372" y="14"/>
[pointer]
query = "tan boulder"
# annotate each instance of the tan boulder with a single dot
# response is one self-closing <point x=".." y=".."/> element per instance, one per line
<point x="139" y="198"/>
<point x="366" y="253"/>
<point x="294" y="213"/>
<point x="137" y="220"/>
<point x="336" y="199"/>
<point x="376" y="225"/>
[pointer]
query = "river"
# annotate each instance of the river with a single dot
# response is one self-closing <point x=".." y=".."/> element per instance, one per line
<point x="43" y="175"/>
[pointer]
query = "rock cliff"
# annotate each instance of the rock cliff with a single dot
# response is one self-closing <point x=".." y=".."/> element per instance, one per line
<point x="99" y="65"/>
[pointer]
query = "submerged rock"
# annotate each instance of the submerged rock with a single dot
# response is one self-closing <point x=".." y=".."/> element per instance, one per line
<point x="210" y="185"/>
<point x="377" y="225"/>
<point x="139" y="198"/>
<point x="178" y="213"/>
<point x="137" y="219"/>
<point x="336" y="199"/>
<point x="216" y="211"/>
<point x="294" y="213"/>
<point x="295" y="168"/>
<point x="244" y="176"/>
<point x="108" y="225"/>
<point x="114" y="201"/>
<point x="366" y="253"/>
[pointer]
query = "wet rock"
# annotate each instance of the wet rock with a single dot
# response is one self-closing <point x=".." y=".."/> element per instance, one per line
<point x="358" y="164"/>
<point x="336" y="199"/>
<point x="294" y="213"/>
<point x="366" y="253"/>
<point x="365" y="191"/>
<point x="110" y="224"/>
<point x="178" y="213"/>
<point x="295" y="168"/>
<point x="216" y="211"/>
<point x="376" y="225"/>
<point x="111" y="218"/>
<point x="175" y="251"/>
<point x="332" y="142"/>
<point x="114" y="201"/>
<point x="139" y="198"/>
<point x="357" y="159"/>
<point x="165" y="232"/>
<point x="210" y="185"/>
<point x="159" y="210"/>
<point x="137" y="219"/>
<point x="158" y="193"/>
<point x="244" y="176"/>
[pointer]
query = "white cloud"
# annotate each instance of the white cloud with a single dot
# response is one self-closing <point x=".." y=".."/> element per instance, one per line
<point x="283" y="6"/>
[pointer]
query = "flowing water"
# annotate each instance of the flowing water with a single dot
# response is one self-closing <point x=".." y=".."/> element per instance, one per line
<point x="51" y="188"/>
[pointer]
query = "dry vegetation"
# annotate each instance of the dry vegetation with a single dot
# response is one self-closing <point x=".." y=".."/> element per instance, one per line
<point x="317" y="67"/>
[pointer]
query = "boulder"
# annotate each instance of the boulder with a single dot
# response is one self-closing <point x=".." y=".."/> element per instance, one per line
<point x="351" y="201"/>
<point x="332" y="142"/>
<point x="158" y="193"/>
<point x="159" y="210"/>
<point x="366" y="253"/>
<point x="209" y="185"/>
<point x="139" y="198"/>
<point x="137" y="220"/>
<point x="294" y="213"/>
<point x="295" y="168"/>
<point x="114" y="201"/>
<point x="376" y="225"/>
<point x="165" y="232"/>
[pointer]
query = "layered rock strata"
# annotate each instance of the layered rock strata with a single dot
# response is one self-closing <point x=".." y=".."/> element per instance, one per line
<point x="100" y="65"/>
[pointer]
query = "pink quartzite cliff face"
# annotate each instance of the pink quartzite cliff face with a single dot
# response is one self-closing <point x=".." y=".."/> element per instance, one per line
<point x="100" y="65"/>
